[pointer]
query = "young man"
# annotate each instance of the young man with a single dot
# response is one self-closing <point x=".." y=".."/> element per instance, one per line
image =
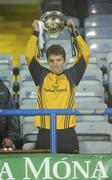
<point x="9" y="126"/>
<point x="56" y="88"/>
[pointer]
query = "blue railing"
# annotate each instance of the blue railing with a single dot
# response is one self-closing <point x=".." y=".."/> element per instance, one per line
<point x="53" y="113"/>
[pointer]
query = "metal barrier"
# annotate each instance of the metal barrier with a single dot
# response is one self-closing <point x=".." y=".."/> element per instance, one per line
<point x="53" y="113"/>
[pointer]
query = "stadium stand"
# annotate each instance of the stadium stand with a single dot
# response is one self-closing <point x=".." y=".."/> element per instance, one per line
<point x="6" y="70"/>
<point x="101" y="47"/>
<point x="94" y="74"/>
<point x="100" y="8"/>
<point x="100" y="106"/>
<point x="98" y="21"/>
<point x="94" y="147"/>
<point x="95" y="133"/>
<point x="90" y="91"/>
<point x="29" y="132"/>
<point x="49" y="5"/>
<point x="98" y="32"/>
<point x="91" y="2"/>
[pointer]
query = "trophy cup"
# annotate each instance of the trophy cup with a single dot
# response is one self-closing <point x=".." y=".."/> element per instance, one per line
<point x="54" y="22"/>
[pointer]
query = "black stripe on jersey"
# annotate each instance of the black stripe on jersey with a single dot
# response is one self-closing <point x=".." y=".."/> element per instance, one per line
<point x="38" y="72"/>
<point x="77" y="71"/>
<point x="39" y="104"/>
<point x="42" y="117"/>
<point x="70" y="104"/>
<point x="70" y="107"/>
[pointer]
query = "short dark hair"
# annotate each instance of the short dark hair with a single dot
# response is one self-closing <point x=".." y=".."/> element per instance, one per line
<point x="56" y="49"/>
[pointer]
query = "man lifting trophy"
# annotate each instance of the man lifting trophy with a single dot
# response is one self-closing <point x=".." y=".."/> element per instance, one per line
<point x="56" y="86"/>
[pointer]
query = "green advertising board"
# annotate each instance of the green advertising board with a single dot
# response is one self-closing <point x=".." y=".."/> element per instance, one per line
<point x="29" y="166"/>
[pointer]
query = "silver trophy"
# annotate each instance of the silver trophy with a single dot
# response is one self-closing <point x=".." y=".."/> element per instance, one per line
<point x="54" y="23"/>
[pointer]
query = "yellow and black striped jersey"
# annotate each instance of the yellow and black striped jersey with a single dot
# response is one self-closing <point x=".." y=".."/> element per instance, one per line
<point x="56" y="91"/>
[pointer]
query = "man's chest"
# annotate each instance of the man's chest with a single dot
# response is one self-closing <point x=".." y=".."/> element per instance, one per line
<point x="57" y="84"/>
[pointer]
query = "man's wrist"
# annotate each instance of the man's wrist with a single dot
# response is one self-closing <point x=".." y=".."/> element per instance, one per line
<point x="74" y="33"/>
<point x="36" y="33"/>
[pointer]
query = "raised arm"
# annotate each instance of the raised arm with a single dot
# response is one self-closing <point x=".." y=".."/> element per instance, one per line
<point x="36" y="69"/>
<point x="82" y="58"/>
<point x="81" y="45"/>
<point x="32" y="45"/>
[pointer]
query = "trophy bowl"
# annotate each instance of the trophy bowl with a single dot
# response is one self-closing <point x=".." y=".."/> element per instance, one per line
<point x="54" y="22"/>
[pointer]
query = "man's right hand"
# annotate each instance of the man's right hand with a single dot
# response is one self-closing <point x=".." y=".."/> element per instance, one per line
<point x="35" y="25"/>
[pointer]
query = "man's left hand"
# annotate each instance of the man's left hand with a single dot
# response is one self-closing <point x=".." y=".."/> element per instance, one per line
<point x="7" y="142"/>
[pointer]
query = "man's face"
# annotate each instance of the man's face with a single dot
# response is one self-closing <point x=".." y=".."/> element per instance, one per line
<point x="56" y="63"/>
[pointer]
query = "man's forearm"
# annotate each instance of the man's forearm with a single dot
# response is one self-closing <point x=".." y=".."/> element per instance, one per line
<point x="32" y="47"/>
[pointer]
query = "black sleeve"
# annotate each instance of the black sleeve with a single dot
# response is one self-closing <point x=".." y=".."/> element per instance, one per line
<point x="77" y="71"/>
<point x="37" y="71"/>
